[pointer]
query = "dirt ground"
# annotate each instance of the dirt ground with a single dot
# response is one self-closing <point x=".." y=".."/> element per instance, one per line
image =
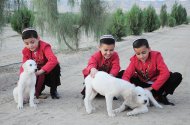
<point x="174" y="45"/>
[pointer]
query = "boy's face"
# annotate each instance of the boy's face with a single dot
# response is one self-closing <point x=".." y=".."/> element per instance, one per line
<point x="107" y="50"/>
<point x="31" y="43"/>
<point x="142" y="53"/>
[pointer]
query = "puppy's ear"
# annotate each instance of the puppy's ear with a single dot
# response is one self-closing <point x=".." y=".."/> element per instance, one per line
<point x="24" y="66"/>
<point x="133" y="95"/>
<point x="149" y="94"/>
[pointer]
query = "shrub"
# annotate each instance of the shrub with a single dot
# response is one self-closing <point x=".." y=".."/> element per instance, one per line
<point x="179" y="13"/>
<point x="171" y="21"/>
<point x="135" y="20"/>
<point x="1" y="14"/>
<point x="21" y="19"/>
<point x="163" y="15"/>
<point x="187" y="20"/>
<point x="117" y="26"/>
<point x="152" y="21"/>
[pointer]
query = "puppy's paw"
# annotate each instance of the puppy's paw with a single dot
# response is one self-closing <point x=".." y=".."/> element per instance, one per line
<point x="36" y="101"/>
<point x="33" y="105"/>
<point x="117" y="110"/>
<point x="158" y="106"/>
<point x="131" y="113"/>
<point x="19" y="106"/>
<point x="111" y="114"/>
<point x="89" y="111"/>
<point x="93" y="108"/>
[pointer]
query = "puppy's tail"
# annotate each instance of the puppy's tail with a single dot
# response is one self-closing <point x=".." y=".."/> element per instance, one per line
<point x="151" y="98"/>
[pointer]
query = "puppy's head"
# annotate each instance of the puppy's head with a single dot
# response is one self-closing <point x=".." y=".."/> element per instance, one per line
<point x="140" y="96"/>
<point x="30" y="66"/>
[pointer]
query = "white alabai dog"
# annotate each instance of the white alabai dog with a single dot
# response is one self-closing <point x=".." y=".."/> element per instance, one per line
<point x="25" y="88"/>
<point x="135" y="97"/>
<point x="138" y="101"/>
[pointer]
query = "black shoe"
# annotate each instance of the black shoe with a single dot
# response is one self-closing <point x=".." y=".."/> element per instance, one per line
<point x="55" y="95"/>
<point x="83" y="96"/>
<point x="83" y="91"/>
<point x="53" y="92"/>
<point x="164" y="100"/>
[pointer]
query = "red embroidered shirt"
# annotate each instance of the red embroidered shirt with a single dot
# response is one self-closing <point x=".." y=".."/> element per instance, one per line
<point x="111" y="65"/>
<point x="43" y="56"/>
<point x="154" y="70"/>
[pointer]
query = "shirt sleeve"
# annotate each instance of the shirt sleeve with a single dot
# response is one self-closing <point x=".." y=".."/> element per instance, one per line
<point x="163" y="73"/>
<point x="115" y="65"/>
<point x="130" y="71"/>
<point x="52" y="59"/>
<point x="92" y="63"/>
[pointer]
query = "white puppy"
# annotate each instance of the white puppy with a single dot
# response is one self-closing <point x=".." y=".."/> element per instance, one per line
<point x="106" y="85"/>
<point x="109" y="86"/>
<point x="25" y="89"/>
<point x="138" y="101"/>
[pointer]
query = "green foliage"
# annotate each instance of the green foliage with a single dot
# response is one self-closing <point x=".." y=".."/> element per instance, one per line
<point x="188" y="20"/>
<point x="171" y="21"/>
<point x="117" y="27"/>
<point x="183" y="14"/>
<point x="69" y="29"/>
<point x="21" y="19"/>
<point x="152" y="21"/>
<point x="2" y="2"/>
<point x="163" y="15"/>
<point x="135" y="20"/>
<point x="92" y="16"/>
<point x="46" y="15"/>
<point x="179" y="13"/>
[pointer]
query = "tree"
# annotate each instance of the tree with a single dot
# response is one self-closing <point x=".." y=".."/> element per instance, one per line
<point x="117" y="26"/>
<point x="182" y="14"/>
<point x="152" y="21"/>
<point x="2" y="2"/>
<point x="174" y="12"/>
<point x="90" y="19"/>
<point x="135" y="20"/>
<point x="21" y="19"/>
<point x="163" y="15"/>
<point x="171" y="21"/>
<point x="179" y="13"/>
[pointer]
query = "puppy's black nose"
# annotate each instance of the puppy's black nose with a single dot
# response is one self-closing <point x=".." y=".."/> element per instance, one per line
<point x="36" y="70"/>
<point x="145" y="101"/>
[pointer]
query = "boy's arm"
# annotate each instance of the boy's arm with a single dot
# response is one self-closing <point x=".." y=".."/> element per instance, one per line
<point x="92" y="63"/>
<point x="130" y="71"/>
<point x="115" y="65"/>
<point x="164" y="73"/>
<point x="52" y="59"/>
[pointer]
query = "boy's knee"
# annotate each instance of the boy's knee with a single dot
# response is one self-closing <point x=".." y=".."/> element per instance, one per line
<point x="177" y="76"/>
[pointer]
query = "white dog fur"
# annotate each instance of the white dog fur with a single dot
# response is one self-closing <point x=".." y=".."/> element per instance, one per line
<point x="25" y="89"/>
<point x="110" y="87"/>
<point x="138" y="101"/>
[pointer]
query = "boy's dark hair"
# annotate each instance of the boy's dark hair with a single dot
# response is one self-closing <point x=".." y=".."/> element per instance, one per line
<point x="29" y="33"/>
<point x="140" y="42"/>
<point x="107" y="39"/>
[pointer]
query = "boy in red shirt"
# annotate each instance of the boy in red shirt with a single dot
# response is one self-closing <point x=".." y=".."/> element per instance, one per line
<point x="106" y="59"/>
<point x="48" y="67"/>
<point x="148" y="70"/>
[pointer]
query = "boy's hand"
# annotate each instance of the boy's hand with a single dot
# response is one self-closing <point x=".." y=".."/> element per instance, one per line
<point x="149" y="88"/>
<point x="93" y="72"/>
<point x="39" y="72"/>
